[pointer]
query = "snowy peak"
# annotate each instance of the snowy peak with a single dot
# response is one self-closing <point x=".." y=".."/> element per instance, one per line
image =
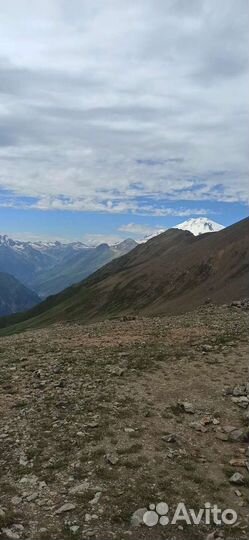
<point x="195" y="226"/>
<point x="200" y="226"/>
<point x="149" y="236"/>
<point x="125" y="245"/>
<point x="39" y="245"/>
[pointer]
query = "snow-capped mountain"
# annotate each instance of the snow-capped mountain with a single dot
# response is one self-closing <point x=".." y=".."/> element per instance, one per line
<point x="49" y="267"/>
<point x="195" y="226"/>
<point x="152" y="235"/>
<point x="19" y="245"/>
<point x="200" y="226"/>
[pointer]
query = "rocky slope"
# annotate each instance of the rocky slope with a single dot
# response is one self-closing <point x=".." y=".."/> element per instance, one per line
<point x="100" y="421"/>
<point x="172" y="273"/>
<point x="14" y="296"/>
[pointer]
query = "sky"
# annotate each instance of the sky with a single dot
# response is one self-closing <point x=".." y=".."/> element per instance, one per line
<point x="118" y="118"/>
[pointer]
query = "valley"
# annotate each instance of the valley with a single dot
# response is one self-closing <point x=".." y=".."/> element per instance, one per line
<point x="49" y="267"/>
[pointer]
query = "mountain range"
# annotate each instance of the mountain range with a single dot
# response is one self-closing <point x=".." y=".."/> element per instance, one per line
<point x="171" y="273"/>
<point x="50" y="267"/>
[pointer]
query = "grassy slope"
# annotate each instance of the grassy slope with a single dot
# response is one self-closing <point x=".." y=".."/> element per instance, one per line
<point x="172" y="273"/>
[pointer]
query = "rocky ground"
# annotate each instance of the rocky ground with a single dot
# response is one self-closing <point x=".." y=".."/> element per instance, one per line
<point x="99" y="422"/>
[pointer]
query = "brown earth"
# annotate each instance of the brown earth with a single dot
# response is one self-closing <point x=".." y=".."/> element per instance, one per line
<point x="99" y="406"/>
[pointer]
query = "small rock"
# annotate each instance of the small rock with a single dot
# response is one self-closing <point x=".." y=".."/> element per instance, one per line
<point x="198" y="427"/>
<point x="221" y="436"/>
<point x="169" y="438"/>
<point x="23" y="460"/>
<point x="239" y="390"/>
<point x="238" y="462"/>
<point x="187" y="407"/>
<point x="237" y="478"/>
<point x="74" y="529"/>
<point x="246" y="416"/>
<point x="4" y="435"/>
<point x="42" y="484"/>
<point x="129" y="430"/>
<point x="242" y="401"/>
<point x="32" y="497"/>
<point x="16" y="500"/>
<point x="216" y="535"/>
<point x="229" y="429"/>
<point x="67" y="507"/>
<point x="92" y="425"/>
<point x="238" y="435"/>
<point x="137" y="517"/>
<point x="238" y="493"/>
<point x="10" y="534"/>
<point x="112" y="458"/>
<point x="207" y="348"/>
<point x="81" y="488"/>
<point x="96" y="498"/>
<point x="207" y="420"/>
<point x="117" y="371"/>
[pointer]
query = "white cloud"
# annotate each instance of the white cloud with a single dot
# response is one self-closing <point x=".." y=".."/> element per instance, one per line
<point x="117" y="106"/>
<point x="139" y="231"/>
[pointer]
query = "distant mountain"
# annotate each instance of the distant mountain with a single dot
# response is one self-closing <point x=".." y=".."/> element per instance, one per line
<point x="25" y="259"/>
<point x="195" y="226"/>
<point x="171" y="273"/>
<point x="14" y="296"/>
<point x="74" y="268"/>
<point x="49" y="267"/>
<point x="200" y="226"/>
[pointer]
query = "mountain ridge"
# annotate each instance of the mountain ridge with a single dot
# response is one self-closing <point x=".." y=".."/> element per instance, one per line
<point x="50" y="267"/>
<point x="170" y="274"/>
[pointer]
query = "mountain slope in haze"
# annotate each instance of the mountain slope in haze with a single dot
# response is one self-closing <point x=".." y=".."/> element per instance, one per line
<point x="172" y="273"/>
<point x="14" y="296"/>
<point x="25" y="259"/>
<point x="50" y="267"/>
<point x="76" y="267"/>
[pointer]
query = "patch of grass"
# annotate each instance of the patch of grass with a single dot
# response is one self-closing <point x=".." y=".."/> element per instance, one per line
<point x="106" y="473"/>
<point x="134" y="448"/>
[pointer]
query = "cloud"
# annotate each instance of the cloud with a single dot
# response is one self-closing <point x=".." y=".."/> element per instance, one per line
<point x="97" y="239"/>
<point x="122" y="107"/>
<point x="138" y="230"/>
